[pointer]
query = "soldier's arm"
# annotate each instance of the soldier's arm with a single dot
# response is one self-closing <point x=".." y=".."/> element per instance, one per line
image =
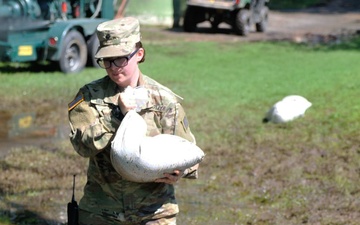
<point x="88" y="134"/>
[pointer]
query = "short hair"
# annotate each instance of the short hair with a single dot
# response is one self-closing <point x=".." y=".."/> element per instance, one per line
<point x="140" y="45"/>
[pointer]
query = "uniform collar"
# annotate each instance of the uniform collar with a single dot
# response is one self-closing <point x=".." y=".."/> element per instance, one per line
<point x="112" y="91"/>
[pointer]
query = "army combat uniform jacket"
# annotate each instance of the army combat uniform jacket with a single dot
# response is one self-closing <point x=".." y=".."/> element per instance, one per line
<point x="94" y="118"/>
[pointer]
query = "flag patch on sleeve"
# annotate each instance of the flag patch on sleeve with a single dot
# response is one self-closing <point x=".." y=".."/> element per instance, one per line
<point x="185" y="123"/>
<point x="77" y="100"/>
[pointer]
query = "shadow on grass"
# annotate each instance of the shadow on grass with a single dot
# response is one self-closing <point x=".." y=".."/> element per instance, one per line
<point x="28" y="67"/>
<point x="33" y="67"/>
<point x="18" y="215"/>
<point x="12" y="213"/>
<point x="327" y="42"/>
<point x="204" y="30"/>
<point x="341" y="42"/>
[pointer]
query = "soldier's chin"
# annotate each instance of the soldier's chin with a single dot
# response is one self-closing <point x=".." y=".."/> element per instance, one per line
<point x="120" y="79"/>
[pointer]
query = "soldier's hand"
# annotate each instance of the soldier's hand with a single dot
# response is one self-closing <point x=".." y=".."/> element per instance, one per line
<point x="126" y="103"/>
<point x="170" y="178"/>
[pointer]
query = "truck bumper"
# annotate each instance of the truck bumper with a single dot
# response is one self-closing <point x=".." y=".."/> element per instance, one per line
<point x="224" y="5"/>
<point x="17" y="53"/>
<point x="21" y="47"/>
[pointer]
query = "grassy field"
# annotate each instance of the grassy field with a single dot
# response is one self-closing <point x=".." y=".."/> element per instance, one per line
<point x="304" y="172"/>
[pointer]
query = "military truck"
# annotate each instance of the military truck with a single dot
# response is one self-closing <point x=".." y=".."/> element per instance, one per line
<point x="239" y="14"/>
<point x="55" y="31"/>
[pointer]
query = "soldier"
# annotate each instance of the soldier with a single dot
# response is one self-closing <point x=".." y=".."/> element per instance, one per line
<point x="95" y="114"/>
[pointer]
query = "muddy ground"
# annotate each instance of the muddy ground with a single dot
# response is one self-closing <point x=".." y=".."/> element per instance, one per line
<point x="330" y="24"/>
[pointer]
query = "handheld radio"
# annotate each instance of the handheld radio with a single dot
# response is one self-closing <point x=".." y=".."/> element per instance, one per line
<point x="73" y="209"/>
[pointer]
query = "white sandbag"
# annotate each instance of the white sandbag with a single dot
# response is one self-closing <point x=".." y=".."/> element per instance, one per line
<point x="288" y="109"/>
<point x="139" y="158"/>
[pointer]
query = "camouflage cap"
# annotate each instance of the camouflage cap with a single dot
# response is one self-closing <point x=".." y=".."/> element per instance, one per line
<point x="117" y="37"/>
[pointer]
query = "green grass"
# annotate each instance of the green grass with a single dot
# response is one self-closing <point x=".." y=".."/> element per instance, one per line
<point x="304" y="172"/>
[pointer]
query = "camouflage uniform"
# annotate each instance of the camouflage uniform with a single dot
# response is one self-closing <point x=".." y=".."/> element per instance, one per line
<point x="94" y="118"/>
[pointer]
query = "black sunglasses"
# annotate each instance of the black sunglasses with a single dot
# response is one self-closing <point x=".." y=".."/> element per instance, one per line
<point x="118" y="62"/>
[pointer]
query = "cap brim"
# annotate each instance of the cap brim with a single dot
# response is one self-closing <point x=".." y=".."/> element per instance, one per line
<point x="113" y="51"/>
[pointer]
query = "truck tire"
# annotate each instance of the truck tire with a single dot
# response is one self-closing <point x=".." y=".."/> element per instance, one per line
<point x="92" y="46"/>
<point x="242" y="22"/>
<point x="190" y="19"/>
<point x="264" y="17"/>
<point x="73" y="54"/>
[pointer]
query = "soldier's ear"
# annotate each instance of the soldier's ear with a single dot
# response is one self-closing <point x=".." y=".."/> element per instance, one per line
<point x="140" y="54"/>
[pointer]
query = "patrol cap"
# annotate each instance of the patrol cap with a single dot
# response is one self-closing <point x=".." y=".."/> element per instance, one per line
<point x="117" y="37"/>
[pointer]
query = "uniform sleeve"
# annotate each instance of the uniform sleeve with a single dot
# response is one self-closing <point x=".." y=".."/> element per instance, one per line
<point x="175" y="122"/>
<point x="88" y="134"/>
